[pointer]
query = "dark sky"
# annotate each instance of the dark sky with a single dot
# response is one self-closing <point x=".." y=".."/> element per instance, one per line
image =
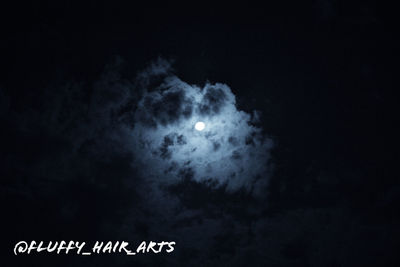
<point x="320" y="72"/>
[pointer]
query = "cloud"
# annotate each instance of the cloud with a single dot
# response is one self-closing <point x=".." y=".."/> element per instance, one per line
<point x="230" y="152"/>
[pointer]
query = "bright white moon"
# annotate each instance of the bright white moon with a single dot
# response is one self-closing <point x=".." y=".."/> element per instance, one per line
<point x="199" y="126"/>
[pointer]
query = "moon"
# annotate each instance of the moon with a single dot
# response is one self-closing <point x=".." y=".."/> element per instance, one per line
<point x="199" y="126"/>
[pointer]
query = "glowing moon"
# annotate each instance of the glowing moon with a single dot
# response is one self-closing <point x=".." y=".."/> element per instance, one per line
<point x="199" y="126"/>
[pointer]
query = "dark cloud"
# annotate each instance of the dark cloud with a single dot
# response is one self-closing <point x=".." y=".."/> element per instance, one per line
<point x="116" y="159"/>
<point x="212" y="102"/>
<point x="165" y="108"/>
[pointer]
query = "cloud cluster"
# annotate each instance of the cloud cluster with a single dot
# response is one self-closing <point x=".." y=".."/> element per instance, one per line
<point x="229" y="152"/>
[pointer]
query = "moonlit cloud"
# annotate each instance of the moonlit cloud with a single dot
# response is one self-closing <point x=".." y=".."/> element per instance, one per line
<point x="229" y="151"/>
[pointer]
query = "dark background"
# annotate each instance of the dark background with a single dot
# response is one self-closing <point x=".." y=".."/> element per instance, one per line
<point x="321" y="73"/>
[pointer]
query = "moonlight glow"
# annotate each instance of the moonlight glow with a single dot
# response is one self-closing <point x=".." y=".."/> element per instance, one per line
<point x="232" y="153"/>
<point x="200" y="126"/>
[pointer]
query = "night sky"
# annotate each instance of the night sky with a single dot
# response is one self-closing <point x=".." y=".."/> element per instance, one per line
<point x="97" y="107"/>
